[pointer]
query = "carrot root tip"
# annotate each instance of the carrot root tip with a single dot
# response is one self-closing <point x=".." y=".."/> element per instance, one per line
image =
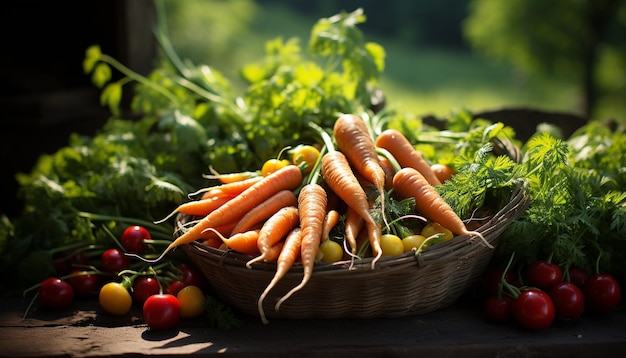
<point x="289" y="294"/>
<point x="487" y="243"/>
<point x="375" y="260"/>
<point x="260" y="307"/>
<point x="352" y="260"/>
<point x="254" y="260"/>
<point x="132" y="255"/>
<point x="171" y="214"/>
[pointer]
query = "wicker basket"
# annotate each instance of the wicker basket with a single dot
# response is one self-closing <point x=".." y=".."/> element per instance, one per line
<point x="402" y="285"/>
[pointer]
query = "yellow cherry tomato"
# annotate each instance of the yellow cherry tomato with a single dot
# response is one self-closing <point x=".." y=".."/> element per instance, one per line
<point x="305" y="155"/>
<point x="413" y="242"/>
<point x="330" y="251"/>
<point x="391" y="245"/>
<point x="191" y="300"/>
<point x="434" y="228"/>
<point x="114" y="298"/>
<point x="272" y="165"/>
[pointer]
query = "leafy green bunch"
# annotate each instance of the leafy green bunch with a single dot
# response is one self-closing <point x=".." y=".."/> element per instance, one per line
<point x="286" y="89"/>
<point x="577" y="214"/>
<point x="116" y="178"/>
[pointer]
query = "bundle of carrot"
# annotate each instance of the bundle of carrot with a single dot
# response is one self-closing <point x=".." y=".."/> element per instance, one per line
<point x="342" y="191"/>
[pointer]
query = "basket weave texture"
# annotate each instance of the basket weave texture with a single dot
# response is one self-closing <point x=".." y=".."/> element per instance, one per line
<point x="402" y="285"/>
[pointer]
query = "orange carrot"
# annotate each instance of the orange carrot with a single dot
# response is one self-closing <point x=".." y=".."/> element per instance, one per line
<point x="389" y="171"/>
<point x="364" y="249"/>
<point x="353" y="225"/>
<point x="245" y="242"/>
<point x="202" y="207"/>
<point x="230" y="177"/>
<point x="212" y="197"/>
<point x="288" y="255"/>
<point x="312" y="202"/>
<point x="289" y="177"/>
<point x="222" y="229"/>
<point x="214" y="242"/>
<point x="208" y="193"/>
<point x="266" y="209"/>
<point x="443" y="171"/>
<point x="229" y="189"/>
<point x="271" y="255"/>
<point x="330" y="221"/>
<point x="410" y="183"/>
<point x="274" y="230"/>
<point x="338" y="175"/>
<point x="405" y="153"/>
<point x="355" y="142"/>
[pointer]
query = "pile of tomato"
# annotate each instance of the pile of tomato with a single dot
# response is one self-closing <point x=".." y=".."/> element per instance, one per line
<point x="541" y="293"/>
<point x="166" y="293"/>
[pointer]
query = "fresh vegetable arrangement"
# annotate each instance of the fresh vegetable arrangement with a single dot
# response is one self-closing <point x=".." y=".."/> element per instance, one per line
<point x="374" y="217"/>
<point x="304" y="167"/>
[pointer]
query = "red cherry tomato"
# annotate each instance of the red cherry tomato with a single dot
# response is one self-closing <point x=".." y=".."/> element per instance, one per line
<point x="55" y="293"/>
<point x="492" y="278"/>
<point x="498" y="309"/>
<point x="114" y="261"/>
<point x="602" y="293"/>
<point x="144" y="287"/>
<point x="85" y="284"/>
<point x="190" y="275"/>
<point x="161" y="311"/>
<point x="64" y="262"/>
<point x="175" y="287"/>
<point x="533" y="309"/>
<point x="543" y="274"/>
<point x="133" y="239"/>
<point x="578" y="276"/>
<point x="569" y="300"/>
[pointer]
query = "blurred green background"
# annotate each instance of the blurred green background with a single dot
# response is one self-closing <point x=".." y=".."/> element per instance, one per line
<point x="443" y="55"/>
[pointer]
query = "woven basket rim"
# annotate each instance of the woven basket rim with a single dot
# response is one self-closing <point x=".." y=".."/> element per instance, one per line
<point x="459" y="244"/>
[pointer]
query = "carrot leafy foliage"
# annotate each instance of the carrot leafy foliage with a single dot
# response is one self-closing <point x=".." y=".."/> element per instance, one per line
<point x="577" y="213"/>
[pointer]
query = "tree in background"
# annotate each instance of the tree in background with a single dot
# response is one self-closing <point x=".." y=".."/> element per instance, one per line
<point x="431" y="23"/>
<point x="580" y="39"/>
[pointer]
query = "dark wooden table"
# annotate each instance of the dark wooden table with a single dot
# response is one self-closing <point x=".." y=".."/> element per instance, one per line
<point x="459" y="331"/>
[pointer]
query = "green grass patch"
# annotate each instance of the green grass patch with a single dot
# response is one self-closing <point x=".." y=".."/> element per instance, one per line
<point x="436" y="81"/>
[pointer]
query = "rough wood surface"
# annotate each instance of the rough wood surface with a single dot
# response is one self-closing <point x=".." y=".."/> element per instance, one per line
<point x="459" y="331"/>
